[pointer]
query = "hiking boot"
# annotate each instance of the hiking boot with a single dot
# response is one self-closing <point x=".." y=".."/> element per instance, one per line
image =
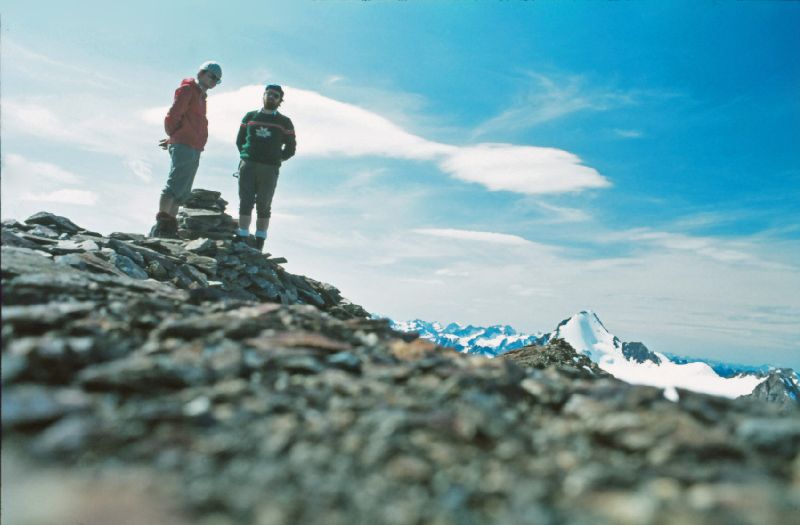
<point x="166" y="226"/>
<point x="171" y="228"/>
<point x="259" y="243"/>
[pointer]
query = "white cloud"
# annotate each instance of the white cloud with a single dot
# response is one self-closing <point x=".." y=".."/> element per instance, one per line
<point x="47" y="69"/>
<point x="468" y="235"/>
<point x="38" y="120"/>
<point x="422" y="281"/>
<point x="676" y="301"/>
<point x="327" y="127"/>
<point x="88" y="121"/>
<point x="450" y="272"/>
<point x="629" y="133"/>
<point x="522" y="169"/>
<point x="142" y="169"/>
<point x="713" y="248"/>
<point x="333" y="79"/>
<point x="17" y="165"/>
<point x="561" y="214"/>
<point x="65" y="196"/>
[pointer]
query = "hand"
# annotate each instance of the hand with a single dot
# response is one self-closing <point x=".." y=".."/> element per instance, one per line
<point x="163" y="144"/>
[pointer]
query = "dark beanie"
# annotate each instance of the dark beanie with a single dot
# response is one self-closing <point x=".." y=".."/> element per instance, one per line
<point x="274" y="87"/>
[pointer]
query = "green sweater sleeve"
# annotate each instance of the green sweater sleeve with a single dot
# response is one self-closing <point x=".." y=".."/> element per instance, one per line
<point x="241" y="138"/>
<point x="290" y="142"/>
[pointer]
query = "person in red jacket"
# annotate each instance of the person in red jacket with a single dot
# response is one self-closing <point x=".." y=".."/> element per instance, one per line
<point x="187" y="127"/>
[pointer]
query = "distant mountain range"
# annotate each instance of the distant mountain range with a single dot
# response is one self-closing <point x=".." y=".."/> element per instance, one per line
<point x="632" y="362"/>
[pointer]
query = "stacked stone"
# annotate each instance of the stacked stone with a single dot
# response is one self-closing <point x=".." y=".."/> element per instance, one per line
<point x="203" y="215"/>
<point x="209" y="269"/>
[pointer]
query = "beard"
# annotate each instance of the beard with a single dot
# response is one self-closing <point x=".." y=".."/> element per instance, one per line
<point x="272" y="105"/>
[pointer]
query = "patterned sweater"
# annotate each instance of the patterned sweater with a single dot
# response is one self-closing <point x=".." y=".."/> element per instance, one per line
<point x="266" y="137"/>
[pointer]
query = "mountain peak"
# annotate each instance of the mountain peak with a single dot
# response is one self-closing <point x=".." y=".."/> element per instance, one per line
<point x="587" y="334"/>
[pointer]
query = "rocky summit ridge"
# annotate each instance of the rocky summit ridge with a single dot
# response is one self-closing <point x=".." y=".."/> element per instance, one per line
<point x="243" y="394"/>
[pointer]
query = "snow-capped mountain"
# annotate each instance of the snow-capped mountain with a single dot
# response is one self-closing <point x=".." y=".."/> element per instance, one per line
<point x="586" y="333"/>
<point x="489" y="341"/>
<point x="632" y="362"/>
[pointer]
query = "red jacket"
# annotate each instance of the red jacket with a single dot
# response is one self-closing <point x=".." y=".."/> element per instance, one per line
<point x="186" y="121"/>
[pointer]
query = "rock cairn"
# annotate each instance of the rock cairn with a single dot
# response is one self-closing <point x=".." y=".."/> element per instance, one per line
<point x="203" y="216"/>
<point x="250" y="412"/>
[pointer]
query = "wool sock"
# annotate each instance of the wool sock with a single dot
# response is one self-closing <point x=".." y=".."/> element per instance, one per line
<point x="243" y="233"/>
<point x="261" y="233"/>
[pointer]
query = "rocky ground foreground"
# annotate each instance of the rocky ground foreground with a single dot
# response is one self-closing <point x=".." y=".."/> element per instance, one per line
<point x="196" y="381"/>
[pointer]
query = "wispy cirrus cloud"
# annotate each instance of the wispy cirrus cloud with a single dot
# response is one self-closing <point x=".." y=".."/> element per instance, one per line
<point x="65" y="196"/>
<point x="42" y="67"/>
<point x="451" y="272"/>
<point x="37" y="119"/>
<point x="88" y="122"/>
<point x="551" y="97"/>
<point x="333" y="79"/>
<point x="142" y="169"/>
<point x="469" y="235"/>
<point x="16" y="165"/>
<point x="728" y="251"/>
<point x="563" y="214"/>
<point x="629" y="133"/>
<point x="21" y="175"/>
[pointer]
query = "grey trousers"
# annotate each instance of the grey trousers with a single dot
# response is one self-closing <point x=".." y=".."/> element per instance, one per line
<point x="257" y="183"/>
<point x="185" y="160"/>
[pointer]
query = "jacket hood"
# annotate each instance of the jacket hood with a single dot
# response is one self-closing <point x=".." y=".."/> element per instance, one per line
<point x="189" y="81"/>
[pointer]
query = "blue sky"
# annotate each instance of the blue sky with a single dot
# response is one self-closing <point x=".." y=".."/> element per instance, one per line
<point x="483" y="162"/>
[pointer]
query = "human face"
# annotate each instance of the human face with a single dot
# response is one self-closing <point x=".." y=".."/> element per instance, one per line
<point x="209" y="79"/>
<point x="272" y="99"/>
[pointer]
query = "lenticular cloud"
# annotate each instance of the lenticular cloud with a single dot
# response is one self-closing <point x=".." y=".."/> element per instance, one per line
<point x="522" y="169"/>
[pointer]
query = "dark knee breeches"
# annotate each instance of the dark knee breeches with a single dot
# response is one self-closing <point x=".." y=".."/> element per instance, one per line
<point x="257" y="183"/>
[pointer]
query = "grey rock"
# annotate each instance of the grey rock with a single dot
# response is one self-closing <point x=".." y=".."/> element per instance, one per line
<point x="127" y="266"/>
<point x="41" y="317"/>
<point x="123" y="248"/>
<point x="56" y="222"/>
<point x="26" y="405"/>
<point x="156" y="270"/>
<point x="638" y="352"/>
<point x="202" y="246"/>
<point x="74" y="246"/>
<point x="67" y="437"/>
<point x="780" y="436"/>
<point x="43" y="232"/>
<point x="345" y="361"/>
<point x="121" y="236"/>
<point x="11" y="239"/>
<point x="207" y="265"/>
<point x="88" y="261"/>
<point x="13" y="224"/>
<point x="12" y="367"/>
<point x="558" y="353"/>
<point x="780" y="387"/>
<point x="141" y="374"/>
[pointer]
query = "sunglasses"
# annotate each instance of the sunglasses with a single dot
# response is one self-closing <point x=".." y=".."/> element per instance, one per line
<point x="213" y="77"/>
